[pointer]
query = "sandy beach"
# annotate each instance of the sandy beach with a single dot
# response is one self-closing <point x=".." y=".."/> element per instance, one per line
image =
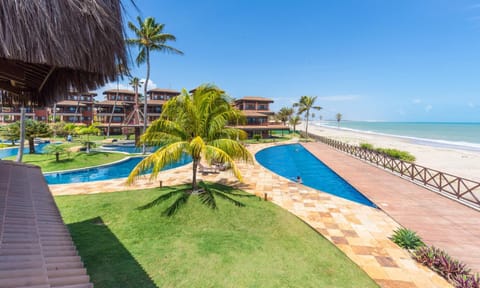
<point x="458" y="162"/>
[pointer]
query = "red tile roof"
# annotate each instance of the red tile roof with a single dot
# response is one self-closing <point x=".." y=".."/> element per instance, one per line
<point x="36" y="249"/>
<point x="120" y="91"/>
<point x="254" y="98"/>
<point x="163" y="90"/>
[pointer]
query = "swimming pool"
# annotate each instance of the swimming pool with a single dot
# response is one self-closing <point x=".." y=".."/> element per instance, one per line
<point x="107" y="172"/>
<point x="127" y="148"/>
<point x="7" y="152"/>
<point x="294" y="160"/>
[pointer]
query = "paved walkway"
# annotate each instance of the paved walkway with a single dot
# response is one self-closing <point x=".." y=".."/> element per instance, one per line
<point x="359" y="231"/>
<point x="438" y="220"/>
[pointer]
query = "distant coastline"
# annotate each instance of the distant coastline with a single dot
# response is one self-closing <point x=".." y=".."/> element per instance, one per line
<point x="455" y="135"/>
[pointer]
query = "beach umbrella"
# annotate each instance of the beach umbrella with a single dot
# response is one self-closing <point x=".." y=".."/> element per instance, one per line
<point x="48" y="47"/>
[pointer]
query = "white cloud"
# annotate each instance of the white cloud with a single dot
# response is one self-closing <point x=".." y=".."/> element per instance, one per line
<point x="151" y="84"/>
<point x="428" y="108"/>
<point x="338" y="98"/>
<point x="417" y="101"/>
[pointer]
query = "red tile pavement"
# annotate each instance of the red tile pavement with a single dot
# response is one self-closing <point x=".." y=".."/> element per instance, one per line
<point x="440" y="221"/>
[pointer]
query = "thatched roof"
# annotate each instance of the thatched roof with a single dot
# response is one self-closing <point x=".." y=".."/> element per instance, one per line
<point x="48" y="47"/>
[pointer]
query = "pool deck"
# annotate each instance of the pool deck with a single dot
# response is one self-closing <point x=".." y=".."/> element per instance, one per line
<point x="440" y="222"/>
<point x="361" y="232"/>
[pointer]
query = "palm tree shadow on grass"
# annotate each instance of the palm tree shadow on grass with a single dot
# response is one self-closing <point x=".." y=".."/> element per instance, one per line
<point x="207" y="193"/>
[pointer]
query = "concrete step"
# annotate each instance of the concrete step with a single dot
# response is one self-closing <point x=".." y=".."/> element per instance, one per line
<point x="69" y="280"/>
<point x="20" y="251"/>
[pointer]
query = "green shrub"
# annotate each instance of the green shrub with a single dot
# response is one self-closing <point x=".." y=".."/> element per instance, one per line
<point x="407" y="239"/>
<point x="257" y="137"/>
<point x="397" y="154"/>
<point x="366" y="146"/>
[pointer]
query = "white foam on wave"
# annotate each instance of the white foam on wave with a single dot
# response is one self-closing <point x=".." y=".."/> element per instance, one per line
<point x="462" y="145"/>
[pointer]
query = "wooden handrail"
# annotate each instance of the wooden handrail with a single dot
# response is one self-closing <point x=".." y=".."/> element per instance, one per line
<point x="463" y="190"/>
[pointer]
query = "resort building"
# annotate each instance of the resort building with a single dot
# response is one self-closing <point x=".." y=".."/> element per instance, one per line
<point x="257" y="113"/>
<point x="76" y="107"/>
<point x="117" y="105"/>
<point x="156" y="98"/>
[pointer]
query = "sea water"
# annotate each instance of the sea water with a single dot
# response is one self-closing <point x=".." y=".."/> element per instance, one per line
<point x="442" y="134"/>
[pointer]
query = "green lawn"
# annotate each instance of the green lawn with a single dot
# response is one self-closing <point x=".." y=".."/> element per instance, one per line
<point x="260" y="245"/>
<point x="74" y="161"/>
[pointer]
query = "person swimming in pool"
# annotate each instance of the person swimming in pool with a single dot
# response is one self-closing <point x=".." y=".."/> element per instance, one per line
<point x="299" y="179"/>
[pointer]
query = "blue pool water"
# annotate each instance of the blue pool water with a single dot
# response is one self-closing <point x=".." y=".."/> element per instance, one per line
<point x="126" y="148"/>
<point x="294" y="160"/>
<point x="112" y="171"/>
<point x="7" y="152"/>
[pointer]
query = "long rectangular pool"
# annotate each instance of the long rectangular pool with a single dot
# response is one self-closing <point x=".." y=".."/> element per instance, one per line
<point x="291" y="161"/>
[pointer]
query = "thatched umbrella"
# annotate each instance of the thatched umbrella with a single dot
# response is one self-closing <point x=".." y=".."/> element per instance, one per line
<point x="50" y="46"/>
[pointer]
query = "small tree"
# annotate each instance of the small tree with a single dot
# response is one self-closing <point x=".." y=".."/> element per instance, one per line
<point x="339" y="118"/>
<point x="11" y="132"/>
<point x="90" y="130"/>
<point x="34" y="129"/>
<point x="295" y="121"/>
<point x="55" y="149"/>
<point x="306" y="104"/>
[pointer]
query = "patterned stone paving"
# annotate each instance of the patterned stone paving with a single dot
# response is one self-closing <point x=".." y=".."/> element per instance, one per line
<point x="361" y="232"/>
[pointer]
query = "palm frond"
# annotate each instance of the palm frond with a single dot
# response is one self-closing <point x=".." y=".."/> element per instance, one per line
<point x="160" y="199"/>
<point x="226" y="197"/>
<point x="179" y="203"/>
<point x="207" y="198"/>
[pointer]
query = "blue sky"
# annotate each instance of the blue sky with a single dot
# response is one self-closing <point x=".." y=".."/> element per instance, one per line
<point x="409" y="60"/>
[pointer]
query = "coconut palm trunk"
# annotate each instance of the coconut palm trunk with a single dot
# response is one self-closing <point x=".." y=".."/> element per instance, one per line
<point x="145" y="104"/>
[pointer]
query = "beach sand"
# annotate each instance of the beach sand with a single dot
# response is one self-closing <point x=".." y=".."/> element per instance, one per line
<point x="457" y="162"/>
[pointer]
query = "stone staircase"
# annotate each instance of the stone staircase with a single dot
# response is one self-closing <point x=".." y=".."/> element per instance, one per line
<point x="36" y="249"/>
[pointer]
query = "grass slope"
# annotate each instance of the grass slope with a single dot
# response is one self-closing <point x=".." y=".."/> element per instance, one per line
<point x="75" y="160"/>
<point x="260" y="245"/>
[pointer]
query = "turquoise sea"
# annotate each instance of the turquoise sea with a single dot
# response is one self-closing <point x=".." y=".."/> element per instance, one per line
<point x="444" y="134"/>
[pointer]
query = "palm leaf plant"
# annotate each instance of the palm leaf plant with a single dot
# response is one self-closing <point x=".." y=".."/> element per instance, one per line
<point x="196" y="125"/>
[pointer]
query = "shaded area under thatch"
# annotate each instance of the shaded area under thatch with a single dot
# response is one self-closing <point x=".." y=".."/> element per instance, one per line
<point x="48" y="47"/>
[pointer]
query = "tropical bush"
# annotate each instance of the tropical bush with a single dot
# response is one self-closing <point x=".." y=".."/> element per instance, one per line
<point x="366" y="146"/>
<point x="397" y="154"/>
<point x="466" y="281"/>
<point x="257" y="137"/>
<point x="439" y="261"/>
<point x="407" y="239"/>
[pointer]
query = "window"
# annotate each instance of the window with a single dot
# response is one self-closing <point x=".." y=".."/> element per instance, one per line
<point x="117" y="119"/>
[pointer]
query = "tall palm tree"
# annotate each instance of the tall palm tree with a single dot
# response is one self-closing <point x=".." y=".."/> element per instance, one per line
<point x="284" y="115"/>
<point x="339" y="118"/>
<point x="136" y="115"/>
<point x="121" y="70"/>
<point x="294" y="121"/>
<point x="195" y="124"/>
<point x="305" y="104"/>
<point x="149" y="37"/>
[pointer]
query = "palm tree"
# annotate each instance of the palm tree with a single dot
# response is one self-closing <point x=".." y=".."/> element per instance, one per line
<point x="121" y="70"/>
<point x="339" y="118"/>
<point x="149" y="37"/>
<point x="284" y="115"/>
<point x="136" y="115"/>
<point x="195" y="124"/>
<point x="294" y="121"/>
<point x="305" y="104"/>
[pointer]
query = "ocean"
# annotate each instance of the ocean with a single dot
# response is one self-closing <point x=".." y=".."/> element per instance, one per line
<point x="440" y="134"/>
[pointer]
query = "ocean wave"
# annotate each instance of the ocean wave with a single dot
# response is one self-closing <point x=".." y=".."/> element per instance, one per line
<point x="462" y="145"/>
